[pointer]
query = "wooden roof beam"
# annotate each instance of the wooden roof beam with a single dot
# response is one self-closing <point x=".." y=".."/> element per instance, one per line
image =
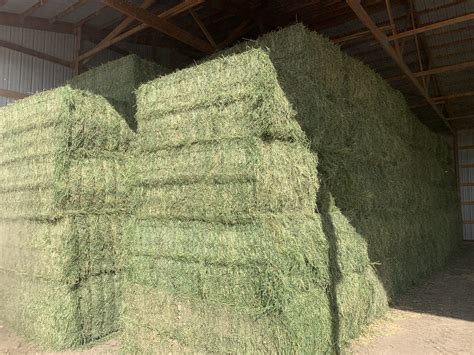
<point x="125" y="23"/>
<point x="32" y="52"/>
<point x="183" y="6"/>
<point x="356" y="35"/>
<point x="32" y="9"/>
<point x="68" y="10"/>
<point x="384" y="42"/>
<point x="151" y="20"/>
<point x="438" y="70"/>
<point x="433" y="26"/>
<point x="203" y="28"/>
<point x="441" y="100"/>
<point x="121" y="26"/>
<point x="12" y="94"/>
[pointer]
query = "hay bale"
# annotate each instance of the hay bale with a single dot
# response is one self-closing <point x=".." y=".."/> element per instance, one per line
<point x="231" y="97"/>
<point x="206" y="287"/>
<point x="226" y="182"/>
<point x="375" y="156"/>
<point x="56" y="315"/>
<point x="62" y="205"/>
<point x="117" y="81"/>
<point x="227" y="253"/>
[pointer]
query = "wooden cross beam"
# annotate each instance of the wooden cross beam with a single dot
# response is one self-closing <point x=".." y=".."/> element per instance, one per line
<point x="438" y="70"/>
<point x="385" y="43"/>
<point x="160" y="24"/>
<point x="433" y="26"/>
<point x="32" y="52"/>
<point x="164" y="16"/>
<point x="203" y="28"/>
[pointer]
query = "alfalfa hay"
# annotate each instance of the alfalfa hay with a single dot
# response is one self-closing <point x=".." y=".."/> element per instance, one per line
<point x="227" y="253"/>
<point x="117" y="81"/>
<point x="63" y="202"/>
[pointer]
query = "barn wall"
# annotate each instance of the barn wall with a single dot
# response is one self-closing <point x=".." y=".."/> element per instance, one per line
<point x="27" y="74"/>
<point x="466" y="173"/>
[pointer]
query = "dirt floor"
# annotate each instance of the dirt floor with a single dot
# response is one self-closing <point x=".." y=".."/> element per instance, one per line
<point x="434" y="318"/>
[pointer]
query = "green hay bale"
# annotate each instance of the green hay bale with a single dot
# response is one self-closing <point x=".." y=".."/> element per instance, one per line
<point x="74" y="114"/>
<point x="361" y="298"/>
<point x="58" y="316"/>
<point x="66" y="251"/>
<point x="87" y="185"/>
<point x="71" y="159"/>
<point x="374" y="154"/>
<point x="228" y="183"/>
<point x="118" y="79"/>
<point x="62" y="201"/>
<point x="164" y="322"/>
<point x="232" y="97"/>
<point x="370" y="160"/>
<point x="287" y="242"/>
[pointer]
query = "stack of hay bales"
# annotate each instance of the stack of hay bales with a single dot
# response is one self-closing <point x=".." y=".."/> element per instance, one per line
<point x="117" y="80"/>
<point x="227" y="253"/>
<point x="390" y="176"/>
<point x="61" y="207"/>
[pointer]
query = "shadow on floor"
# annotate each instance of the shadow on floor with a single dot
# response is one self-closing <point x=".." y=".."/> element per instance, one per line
<point x="448" y="293"/>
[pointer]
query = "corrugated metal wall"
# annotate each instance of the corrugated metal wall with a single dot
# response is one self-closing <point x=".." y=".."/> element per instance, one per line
<point x="466" y="174"/>
<point x="27" y="74"/>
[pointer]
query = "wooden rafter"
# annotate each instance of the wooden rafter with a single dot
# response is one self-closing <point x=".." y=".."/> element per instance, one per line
<point x="203" y="28"/>
<point x="358" y="35"/>
<point x="438" y="70"/>
<point x="442" y="99"/>
<point x="384" y="42"/>
<point x="68" y="10"/>
<point x="433" y="26"/>
<point x="159" y="23"/>
<point x="33" y="8"/>
<point x="164" y="15"/>
<point x="121" y="26"/>
<point x="388" y="4"/>
<point x="32" y="52"/>
<point x="125" y="23"/>
<point x="417" y="43"/>
<point x="12" y="94"/>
